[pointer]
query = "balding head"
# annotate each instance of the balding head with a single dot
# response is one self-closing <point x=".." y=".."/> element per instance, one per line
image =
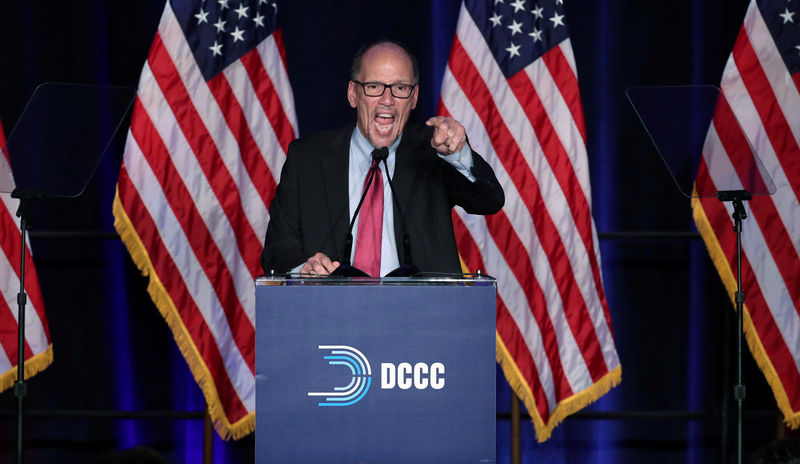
<point x="384" y="43"/>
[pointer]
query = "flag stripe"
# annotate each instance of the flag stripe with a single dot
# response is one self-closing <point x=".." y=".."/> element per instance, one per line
<point x="731" y="154"/>
<point x="762" y="319"/>
<point x="202" y="193"/>
<point x="9" y="339"/>
<point x="774" y="69"/>
<point x="202" y="144"/>
<point x="772" y="117"/>
<point x="522" y="226"/>
<point x="253" y="164"/>
<point x="37" y="332"/>
<point x="741" y="102"/>
<point x="766" y="279"/>
<point x="182" y="298"/>
<point x="763" y="98"/>
<point x="174" y="258"/>
<point x="532" y="363"/>
<point x="777" y="240"/>
<point x="540" y="373"/>
<point x="195" y="230"/>
<point x="269" y="99"/>
<point x="561" y="165"/>
<point x="516" y="266"/>
<point x="260" y="131"/>
<point x="212" y="121"/>
<point x="38" y="353"/>
<point x="271" y="148"/>
<point x="515" y="121"/>
<point x="33" y="329"/>
<point x="523" y="178"/>
<point x="523" y="272"/>
<point x="520" y="105"/>
<point x="566" y="80"/>
<point x="273" y="55"/>
<point x="506" y="326"/>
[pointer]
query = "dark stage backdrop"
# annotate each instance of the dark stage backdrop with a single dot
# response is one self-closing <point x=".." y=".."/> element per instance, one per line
<point x="673" y="324"/>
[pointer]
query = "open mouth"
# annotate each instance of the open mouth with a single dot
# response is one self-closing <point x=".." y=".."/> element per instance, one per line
<point x="384" y="122"/>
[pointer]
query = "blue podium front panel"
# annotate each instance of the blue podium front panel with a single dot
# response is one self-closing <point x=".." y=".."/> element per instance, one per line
<point x="375" y="374"/>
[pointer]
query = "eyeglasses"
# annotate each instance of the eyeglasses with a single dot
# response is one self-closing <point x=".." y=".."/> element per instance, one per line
<point x="376" y="89"/>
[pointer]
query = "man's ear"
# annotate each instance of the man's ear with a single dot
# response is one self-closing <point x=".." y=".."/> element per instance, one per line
<point x="351" y="94"/>
<point x="414" y="97"/>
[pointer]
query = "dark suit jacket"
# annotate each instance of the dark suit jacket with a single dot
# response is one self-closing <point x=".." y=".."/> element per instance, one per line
<point x="310" y="211"/>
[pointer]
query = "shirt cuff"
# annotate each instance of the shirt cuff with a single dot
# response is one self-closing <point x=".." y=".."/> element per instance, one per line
<point x="461" y="161"/>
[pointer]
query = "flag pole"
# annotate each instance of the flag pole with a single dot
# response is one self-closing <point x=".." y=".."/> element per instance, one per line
<point x="516" y="448"/>
<point x="208" y="438"/>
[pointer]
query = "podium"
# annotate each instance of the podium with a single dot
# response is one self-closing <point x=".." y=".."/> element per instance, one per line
<point x="365" y="370"/>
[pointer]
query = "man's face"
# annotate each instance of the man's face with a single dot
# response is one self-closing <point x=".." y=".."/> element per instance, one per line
<point x="382" y="119"/>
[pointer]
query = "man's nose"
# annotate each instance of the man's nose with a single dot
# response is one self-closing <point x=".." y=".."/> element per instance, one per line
<point x="386" y="99"/>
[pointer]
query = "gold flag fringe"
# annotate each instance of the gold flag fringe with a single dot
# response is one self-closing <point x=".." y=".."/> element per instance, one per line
<point x="33" y="366"/>
<point x="166" y="307"/>
<point x="563" y="409"/>
<point x="791" y="418"/>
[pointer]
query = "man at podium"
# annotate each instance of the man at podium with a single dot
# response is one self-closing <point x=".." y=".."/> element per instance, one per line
<point x="381" y="190"/>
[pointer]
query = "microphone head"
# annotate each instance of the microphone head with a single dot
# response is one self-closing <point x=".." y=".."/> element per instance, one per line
<point x="380" y="154"/>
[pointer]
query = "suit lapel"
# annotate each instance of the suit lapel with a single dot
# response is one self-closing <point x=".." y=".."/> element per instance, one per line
<point x="334" y="169"/>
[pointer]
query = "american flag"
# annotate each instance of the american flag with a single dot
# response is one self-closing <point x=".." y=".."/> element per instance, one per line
<point x="38" y="348"/>
<point x="211" y="124"/>
<point x="512" y="82"/>
<point x="761" y="83"/>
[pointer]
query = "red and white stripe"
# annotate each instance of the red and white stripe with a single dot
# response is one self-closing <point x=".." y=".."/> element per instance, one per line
<point x="200" y="167"/>
<point x="38" y="349"/>
<point x="765" y="99"/>
<point x="552" y="315"/>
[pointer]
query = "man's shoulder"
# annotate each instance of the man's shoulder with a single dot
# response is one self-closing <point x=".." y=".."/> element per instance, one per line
<point x="331" y="138"/>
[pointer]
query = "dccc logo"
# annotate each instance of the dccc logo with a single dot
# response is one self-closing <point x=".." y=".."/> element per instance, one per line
<point x="359" y="368"/>
<point x="403" y="376"/>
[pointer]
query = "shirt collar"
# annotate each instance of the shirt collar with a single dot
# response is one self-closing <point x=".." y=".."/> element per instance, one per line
<point x="364" y="149"/>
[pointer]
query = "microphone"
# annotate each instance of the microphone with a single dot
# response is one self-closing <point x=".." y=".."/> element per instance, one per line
<point x="380" y="154"/>
<point x="407" y="267"/>
<point x="345" y="269"/>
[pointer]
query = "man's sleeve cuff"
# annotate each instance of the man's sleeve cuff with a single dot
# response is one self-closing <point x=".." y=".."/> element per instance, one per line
<point x="461" y="161"/>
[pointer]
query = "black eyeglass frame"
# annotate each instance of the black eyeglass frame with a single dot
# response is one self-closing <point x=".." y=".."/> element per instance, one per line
<point x="385" y="86"/>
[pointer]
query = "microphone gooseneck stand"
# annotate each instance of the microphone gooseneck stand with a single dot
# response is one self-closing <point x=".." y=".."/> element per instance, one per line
<point x="345" y="269"/>
<point x="407" y="268"/>
<point x="736" y="197"/>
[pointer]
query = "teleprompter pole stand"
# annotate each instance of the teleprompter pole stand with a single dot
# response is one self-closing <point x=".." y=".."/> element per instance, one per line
<point x="20" y="388"/>
<point x="736" y="197"/>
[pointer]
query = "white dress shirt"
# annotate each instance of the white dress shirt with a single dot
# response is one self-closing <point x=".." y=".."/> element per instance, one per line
<point x="359" y="163"/>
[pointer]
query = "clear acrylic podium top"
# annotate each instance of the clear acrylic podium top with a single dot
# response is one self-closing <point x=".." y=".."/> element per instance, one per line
<point x="463" y="280"/>
<point x="690" y="124"/>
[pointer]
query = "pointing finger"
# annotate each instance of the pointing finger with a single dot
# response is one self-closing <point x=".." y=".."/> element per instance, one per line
<point x="434" y="121"/>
